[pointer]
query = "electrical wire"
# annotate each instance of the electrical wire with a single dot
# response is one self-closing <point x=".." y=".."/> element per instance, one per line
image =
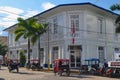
<point x="86" y="30"/>
<point x="96" y="1"/>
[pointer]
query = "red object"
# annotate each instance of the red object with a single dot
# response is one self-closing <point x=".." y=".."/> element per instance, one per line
<point x="73" y="29"/>
<point x="59" y="62"/>
<point x="13" y="60"/>
<point x="73" y="32"/>
<point x="34" y="60"/>
<point x="115" y="64"/>
<point x="109" y="71"/>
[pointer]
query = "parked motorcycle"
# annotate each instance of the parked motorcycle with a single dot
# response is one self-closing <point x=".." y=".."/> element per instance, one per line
<point x="13" y="66"/>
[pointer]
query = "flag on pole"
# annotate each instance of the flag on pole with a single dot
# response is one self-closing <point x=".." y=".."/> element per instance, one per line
<point x="73" y="33"/>
<point x="73" y="40"/>
<point x="73" y="29"/>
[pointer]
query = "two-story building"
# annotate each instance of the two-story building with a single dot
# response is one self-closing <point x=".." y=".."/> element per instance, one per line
<point x="76" y="31"/>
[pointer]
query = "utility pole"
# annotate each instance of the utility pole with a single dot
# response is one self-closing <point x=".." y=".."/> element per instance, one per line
<point x="48" y="51"/>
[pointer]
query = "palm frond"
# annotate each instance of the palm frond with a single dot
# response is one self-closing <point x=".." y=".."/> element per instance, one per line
<point x="18" y="35"/>
<point x="22" y="23"/>
<point x="25" y="36"/>
<point x="34" y="39"/>
<point x="118" y="29"/>
<point x="115" y="7"/>
<point x="31" y="21"/>
<point x="20" y="29"/>
<point x="117" y="21"/>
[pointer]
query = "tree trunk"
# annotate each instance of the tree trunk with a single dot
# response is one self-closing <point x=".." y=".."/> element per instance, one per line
<point x="39" y="52"/>
<point x="28" y="51"/>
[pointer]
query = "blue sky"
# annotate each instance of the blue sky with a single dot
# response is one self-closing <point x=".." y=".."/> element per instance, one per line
<point x="11" y="9"/>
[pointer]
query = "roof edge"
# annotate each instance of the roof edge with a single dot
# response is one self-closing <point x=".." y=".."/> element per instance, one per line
<point x="86" y="3"/>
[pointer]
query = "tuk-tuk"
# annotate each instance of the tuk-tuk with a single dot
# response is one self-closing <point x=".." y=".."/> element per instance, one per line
<point x="60" y="66"/>
<point x="93" y="65"/>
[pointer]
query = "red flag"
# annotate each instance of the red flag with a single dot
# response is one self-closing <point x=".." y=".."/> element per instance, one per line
<point x="73" y="29"/>
<point x="73" y="40"/>
<point x="73" y="32"/>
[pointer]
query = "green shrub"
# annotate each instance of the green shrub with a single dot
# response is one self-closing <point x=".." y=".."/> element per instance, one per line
<point x="22" y="58"/>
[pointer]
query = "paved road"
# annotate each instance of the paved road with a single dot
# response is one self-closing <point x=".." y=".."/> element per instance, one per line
<point x="39" y="75"/>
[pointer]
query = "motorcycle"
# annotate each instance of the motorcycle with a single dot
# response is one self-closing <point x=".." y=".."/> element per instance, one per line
<point x="13" y="66"/>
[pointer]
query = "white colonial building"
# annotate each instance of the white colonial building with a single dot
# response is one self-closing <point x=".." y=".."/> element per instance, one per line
<point x="76" y="32"/>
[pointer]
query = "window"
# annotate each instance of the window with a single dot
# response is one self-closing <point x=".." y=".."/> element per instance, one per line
<point x="101" y="54"/>
<point x="11" y="38"/>
<point x="55" y="53"/>
<point x="10" y="52"/>
<point x="74" y="22"/>
<point x="55" y="26"/>
<point x="117" y="50"/>
<point x="100" y="25"/>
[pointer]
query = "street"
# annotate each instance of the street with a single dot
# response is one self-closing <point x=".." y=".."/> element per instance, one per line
<point x="40" y="75"/>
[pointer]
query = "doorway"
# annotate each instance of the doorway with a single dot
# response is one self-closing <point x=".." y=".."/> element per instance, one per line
<point x="75" y="56"/>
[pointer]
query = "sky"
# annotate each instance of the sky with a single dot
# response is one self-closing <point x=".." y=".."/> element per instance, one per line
<point x="10" y="10"/>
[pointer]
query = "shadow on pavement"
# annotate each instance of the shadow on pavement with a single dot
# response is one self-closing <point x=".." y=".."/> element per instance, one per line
<point x="2" y="79"/>
<point x="25" y="73"/>
<point x="78" y="76"/>
<point x="81" y="76"/>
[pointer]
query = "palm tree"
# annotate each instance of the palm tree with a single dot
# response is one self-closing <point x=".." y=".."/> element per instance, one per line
<point x="39" y="29"/>
<point x="117" y="21"/>
<point x="24" y="29"/>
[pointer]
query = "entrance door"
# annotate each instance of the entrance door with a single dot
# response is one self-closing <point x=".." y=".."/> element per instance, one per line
<point x="72" y="58"/>
<point x="75" y="56"/>
<point x="54" y="53"/>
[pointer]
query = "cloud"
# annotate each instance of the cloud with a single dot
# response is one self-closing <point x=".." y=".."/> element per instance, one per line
<point x="30" y="13"/>
<point x="47" y="5"/>
<point x="7" y="23"/>
<point x="10" y="10"/>
<point x="9" y="15"/>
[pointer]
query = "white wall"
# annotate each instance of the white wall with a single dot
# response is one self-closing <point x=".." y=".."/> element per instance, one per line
<point x="88" y="36"/>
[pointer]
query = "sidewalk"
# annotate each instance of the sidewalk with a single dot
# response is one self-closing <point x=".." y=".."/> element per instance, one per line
<point x="25" y="74"/>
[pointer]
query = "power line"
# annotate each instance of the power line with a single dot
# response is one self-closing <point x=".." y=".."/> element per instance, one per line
<point x="96" y="1"/>
<point x="9" y="12"/>
<point x="85" y="30"/>
<point x="103" y="34"/>
<point x="7" y="17"/>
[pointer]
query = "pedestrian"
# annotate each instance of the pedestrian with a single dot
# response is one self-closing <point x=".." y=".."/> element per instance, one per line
<point x="105" y="64"/>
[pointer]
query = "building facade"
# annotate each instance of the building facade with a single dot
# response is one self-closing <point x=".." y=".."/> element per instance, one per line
<point x="76" y="32"/>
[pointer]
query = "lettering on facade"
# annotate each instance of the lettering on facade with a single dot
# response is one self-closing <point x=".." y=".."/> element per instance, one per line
<point x="115" y="63"/>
